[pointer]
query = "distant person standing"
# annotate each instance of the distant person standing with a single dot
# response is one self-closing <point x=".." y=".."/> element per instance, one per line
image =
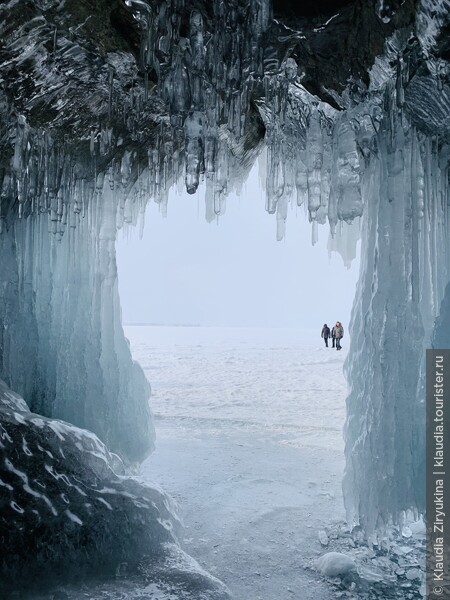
<point x="325" y="334"/>
<point x="339" y="334"/>
<point x="333" y="335"/>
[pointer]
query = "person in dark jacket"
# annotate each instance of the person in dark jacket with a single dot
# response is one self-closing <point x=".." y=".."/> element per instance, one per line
<point x="325" y="334"/>
<point x="333" y="335"/>
<point x="339" y="333"/>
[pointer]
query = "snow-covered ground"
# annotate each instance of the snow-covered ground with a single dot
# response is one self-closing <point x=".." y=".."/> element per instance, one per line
<point x="249" y="442"/>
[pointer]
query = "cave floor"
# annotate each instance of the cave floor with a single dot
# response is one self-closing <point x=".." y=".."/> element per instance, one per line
<point x="249" y="444"/>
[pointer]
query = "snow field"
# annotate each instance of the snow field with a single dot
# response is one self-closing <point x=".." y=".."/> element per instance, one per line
<point x="249" y="443"/>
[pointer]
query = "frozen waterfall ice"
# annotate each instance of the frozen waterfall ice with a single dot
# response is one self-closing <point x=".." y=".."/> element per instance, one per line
<point x="63" y="346"/>
<point x="405" y="268"/>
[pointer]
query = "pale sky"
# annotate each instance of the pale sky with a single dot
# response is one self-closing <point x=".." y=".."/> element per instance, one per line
<point x="232" y="272"/>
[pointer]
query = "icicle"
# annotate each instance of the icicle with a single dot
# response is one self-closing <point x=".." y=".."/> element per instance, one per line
<point x="314" y="153"/>
<point x="111" y="92"/>
<point x="92" y="142"/>
<point x="400" y="92"/>
<point x="282" y="207"/>
<point x="346" y="173"/>
<point x="125" y="168"/>
<point x="301" y="182"/>
<point x="193" y="127"/>
<point x="314" y="233"/>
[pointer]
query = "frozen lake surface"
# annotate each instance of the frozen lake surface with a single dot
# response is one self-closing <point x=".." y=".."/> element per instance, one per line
<point x="249" y="443"/>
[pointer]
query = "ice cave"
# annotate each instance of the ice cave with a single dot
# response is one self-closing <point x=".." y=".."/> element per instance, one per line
<point x="105" y="106"/>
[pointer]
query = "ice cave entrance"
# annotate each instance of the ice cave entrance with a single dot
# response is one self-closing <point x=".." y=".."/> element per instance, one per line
<point x="249" y="405"/>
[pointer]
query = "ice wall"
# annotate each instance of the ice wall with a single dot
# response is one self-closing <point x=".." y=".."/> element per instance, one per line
<point x="405" y="268"/>
<point x="62" y="342"/>
<point x="441" y="333"/>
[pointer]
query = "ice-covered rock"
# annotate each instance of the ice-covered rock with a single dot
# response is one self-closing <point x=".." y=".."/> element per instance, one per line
<point x="335" y="564"/>
<point x="68" y="510"/>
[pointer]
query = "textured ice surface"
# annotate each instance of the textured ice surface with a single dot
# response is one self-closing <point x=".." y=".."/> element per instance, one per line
<point x="69" y="513"/>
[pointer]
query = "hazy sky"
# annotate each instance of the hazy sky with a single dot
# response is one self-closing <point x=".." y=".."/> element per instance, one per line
<point x="234" y="272"/>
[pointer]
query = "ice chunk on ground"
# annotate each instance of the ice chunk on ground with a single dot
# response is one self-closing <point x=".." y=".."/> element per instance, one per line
<point x="335" y="564"/>
<point x="323" y="538"/>
<point x="418" y="528"/>
<point x="406" y="532"/>
<point x="412" y="574"/>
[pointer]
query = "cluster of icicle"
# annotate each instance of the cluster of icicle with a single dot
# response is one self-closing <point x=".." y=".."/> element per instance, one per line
<point x="44" y="179"/>
<point x="315" y="153"/>
<point x="208" y="71"/>
<point x="207" y="77"/>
